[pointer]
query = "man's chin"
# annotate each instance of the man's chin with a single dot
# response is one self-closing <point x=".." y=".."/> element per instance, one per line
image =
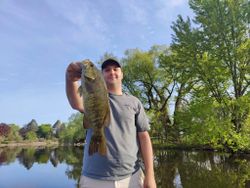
<point x="111" y="83"/>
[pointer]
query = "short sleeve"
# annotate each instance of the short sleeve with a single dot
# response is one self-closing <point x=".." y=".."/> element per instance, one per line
<point x="141" y="119"/>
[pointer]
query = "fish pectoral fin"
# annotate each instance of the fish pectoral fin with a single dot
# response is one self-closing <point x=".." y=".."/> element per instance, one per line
<point x="86" y="124"/>
<point x="80" y="90"/>
<point x="106" y="121"/>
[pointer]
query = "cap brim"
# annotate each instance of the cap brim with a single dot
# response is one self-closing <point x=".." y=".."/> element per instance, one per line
<point x="110" y="62"/>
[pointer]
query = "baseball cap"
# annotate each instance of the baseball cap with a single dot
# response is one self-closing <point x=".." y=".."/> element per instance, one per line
<point x="110" y="61"/>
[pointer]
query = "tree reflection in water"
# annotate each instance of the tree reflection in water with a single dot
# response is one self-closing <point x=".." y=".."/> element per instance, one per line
<point x="201" y="169"/>
<point x="173" y="168"/>
<point x="27" y="156"/>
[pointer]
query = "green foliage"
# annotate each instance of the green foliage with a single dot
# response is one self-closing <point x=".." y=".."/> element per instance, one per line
<point x="14" y="133"/>
<point x="156" y="129"/>
<point x="30" y="136"/>
<point x="145" y="79"/>
<point x="74" y="131"/>
<point x="193" y="121"/>
<point x="45" y="131"/>
<point x="211" y="63"/>
<point x="201" y="125"/>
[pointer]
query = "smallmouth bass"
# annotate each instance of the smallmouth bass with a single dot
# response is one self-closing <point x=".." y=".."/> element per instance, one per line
<point x="96" y="106"/>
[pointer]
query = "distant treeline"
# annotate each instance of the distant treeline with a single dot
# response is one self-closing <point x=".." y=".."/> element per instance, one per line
<point x="69" y="133"/>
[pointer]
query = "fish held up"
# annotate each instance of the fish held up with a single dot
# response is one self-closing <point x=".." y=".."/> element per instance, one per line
<point x="94" y="92"/>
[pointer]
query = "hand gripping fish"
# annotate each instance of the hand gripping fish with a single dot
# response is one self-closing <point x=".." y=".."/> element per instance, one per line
<point x="96" y="106"/>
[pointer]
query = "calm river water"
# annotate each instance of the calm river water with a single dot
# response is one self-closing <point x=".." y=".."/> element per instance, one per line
<point x="61" y="167"/>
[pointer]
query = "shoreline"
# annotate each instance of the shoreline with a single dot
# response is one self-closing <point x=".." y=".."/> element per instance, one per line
<point x="35" y="143"/>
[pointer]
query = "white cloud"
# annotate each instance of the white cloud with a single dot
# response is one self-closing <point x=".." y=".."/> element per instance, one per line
<point x="134" y="12"/>
<point x="59" y="24"/>
<point x="89" y="24"/>
<point x="167" y="10"/>
<point x="10" y="8"/>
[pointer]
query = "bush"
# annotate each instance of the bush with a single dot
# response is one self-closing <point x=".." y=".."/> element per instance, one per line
<point x="4" y="130"/>
<point x="31" y="136"/>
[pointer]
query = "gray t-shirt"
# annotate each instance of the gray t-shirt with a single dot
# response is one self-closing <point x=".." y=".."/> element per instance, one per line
<point x="127" y="119"/>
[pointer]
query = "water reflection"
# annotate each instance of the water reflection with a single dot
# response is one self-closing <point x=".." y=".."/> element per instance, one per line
<point x="28" y="156"/>
<point x="201" y="169"/>
<point x="173" y="169"/>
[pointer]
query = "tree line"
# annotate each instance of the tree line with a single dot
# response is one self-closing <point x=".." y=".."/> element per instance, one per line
<point x="65" y="133"/>
<point x="31" y="131"/>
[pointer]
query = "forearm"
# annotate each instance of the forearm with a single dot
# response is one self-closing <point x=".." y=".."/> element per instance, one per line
<point x="73" y="96"/>
<point x="147" y="153"/>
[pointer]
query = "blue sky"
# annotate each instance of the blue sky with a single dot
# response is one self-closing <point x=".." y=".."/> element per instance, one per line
<point x="39" y="38"/>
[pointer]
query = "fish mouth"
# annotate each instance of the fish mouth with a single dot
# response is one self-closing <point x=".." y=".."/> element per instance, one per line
<point x="89" y="78"/>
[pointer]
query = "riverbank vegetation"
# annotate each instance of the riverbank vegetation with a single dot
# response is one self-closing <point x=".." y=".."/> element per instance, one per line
<point x="33" y="134"/>
<point x="195" y="91"/>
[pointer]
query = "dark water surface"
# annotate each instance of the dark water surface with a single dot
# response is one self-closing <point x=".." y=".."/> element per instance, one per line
<point x="60" y="167"/>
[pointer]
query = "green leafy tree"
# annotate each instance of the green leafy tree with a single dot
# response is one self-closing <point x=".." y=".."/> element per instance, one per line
<point x="45" y="131"/>
<point x="146" y="80"/>
<point x="30" y="136"/>
<point x="74" y="132"/>
<point x="225" y="37"/>
<point x="177" y="65"/>
<point x="217" y="62"/>
<point x="14" y="133"/>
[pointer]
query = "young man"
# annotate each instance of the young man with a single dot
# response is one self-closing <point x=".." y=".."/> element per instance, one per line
<point x="126" y="135"/>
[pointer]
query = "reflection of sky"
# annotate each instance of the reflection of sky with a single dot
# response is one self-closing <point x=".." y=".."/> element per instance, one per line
<point x="40" y="38"/>
<point x="177" y="179"/>
<point x="15" y="175"/>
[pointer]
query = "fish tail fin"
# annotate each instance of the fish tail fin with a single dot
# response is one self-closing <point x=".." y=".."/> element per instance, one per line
<point x="98" y="144"/>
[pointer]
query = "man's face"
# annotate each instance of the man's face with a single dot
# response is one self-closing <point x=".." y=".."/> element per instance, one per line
<point x="112" y="74"/>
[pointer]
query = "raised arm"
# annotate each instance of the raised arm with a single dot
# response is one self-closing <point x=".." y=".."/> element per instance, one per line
<point x="73" y="75"/>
